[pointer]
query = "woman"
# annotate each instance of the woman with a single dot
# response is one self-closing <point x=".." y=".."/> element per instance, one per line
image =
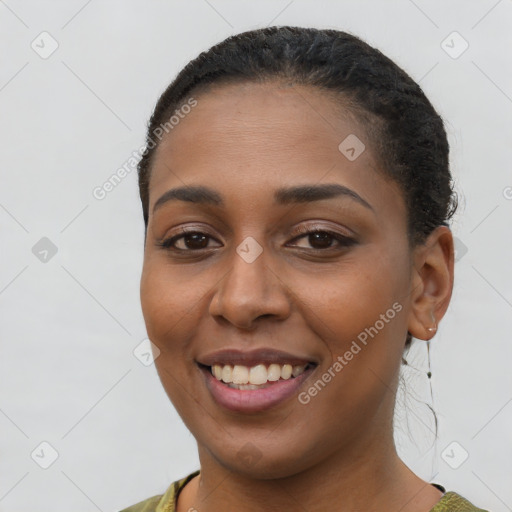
<point x="296" y="196"/>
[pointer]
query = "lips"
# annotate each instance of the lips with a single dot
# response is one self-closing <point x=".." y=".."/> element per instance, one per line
<point x="253" y="357"/>
<point x="250" y="401"/>
<point x="268" y="395"/>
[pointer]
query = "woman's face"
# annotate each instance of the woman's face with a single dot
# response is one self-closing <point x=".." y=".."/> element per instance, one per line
<point x="251" y="277"/>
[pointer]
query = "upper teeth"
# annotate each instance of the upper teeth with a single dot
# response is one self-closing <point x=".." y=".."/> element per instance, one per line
<point x="258" y="374"/>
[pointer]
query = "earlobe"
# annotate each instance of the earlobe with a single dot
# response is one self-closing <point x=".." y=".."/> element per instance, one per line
<point x="423" y="325"/>
<point x="433" y="328"/>
<point x="432" y="283"/>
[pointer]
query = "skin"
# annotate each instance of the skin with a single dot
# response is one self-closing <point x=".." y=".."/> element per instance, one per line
<point x="336" y="452"/>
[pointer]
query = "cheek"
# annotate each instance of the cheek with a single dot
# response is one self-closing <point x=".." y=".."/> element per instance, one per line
<point x="349" y="298"/>
<point x="171" y="301"/>
<point x="171" y="306"/>
<point x="359" y="315"/>
<point x="360" y="320"/>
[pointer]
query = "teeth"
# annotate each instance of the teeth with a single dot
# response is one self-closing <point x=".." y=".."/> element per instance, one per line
<point x="257" y="374"/>
<point x="297" y="370"/>
<point x="243" y="377"/>
<point x="240" y="374"/>
<point x="227" y="373"/>
<point x="217" y="372"/>
<point x="286" y="371"/>
<point x="274" y="372"/>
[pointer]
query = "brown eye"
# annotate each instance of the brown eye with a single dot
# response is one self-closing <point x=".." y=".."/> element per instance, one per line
<point x="322" y="240"/>
<point x="194" y="241"/>
<point x="187" y="242"/>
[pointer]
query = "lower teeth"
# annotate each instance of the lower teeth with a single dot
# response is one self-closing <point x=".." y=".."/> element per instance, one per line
<point x="257" y="386"/>
<point x="251" y="386"/>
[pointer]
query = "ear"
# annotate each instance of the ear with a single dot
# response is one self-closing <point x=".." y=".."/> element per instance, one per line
<point x="431" y="282"/>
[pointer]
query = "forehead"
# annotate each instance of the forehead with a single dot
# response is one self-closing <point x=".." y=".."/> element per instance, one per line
<point x="252" y="137"/>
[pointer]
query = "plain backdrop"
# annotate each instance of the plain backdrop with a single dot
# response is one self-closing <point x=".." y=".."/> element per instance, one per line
<point x="78" y="81"/>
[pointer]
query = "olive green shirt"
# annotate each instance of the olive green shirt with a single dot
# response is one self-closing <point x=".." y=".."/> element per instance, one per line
<point x="450" y="502"/>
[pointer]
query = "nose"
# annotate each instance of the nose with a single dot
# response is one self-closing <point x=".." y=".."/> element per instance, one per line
<point x="248" y="292"/>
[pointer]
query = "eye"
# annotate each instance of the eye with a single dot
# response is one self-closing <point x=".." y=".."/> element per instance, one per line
<point x="318" y="239"/>
<point x="188" y="241"/>
<point x="321" y="239"/>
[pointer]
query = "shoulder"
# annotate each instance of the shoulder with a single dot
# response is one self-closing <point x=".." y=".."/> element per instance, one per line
<point x="163" y="502"/>
<point x="450" y="502"/>
<point x="148" y="505"/>
<point x="453" y="502"/>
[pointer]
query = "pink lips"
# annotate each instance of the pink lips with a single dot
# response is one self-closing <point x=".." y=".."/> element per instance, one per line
<point x="253" y="400"/>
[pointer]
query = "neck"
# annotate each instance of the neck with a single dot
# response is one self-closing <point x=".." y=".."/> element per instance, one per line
<point x="364" y="476"/>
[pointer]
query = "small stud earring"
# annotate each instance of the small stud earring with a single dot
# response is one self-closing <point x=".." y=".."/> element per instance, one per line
<point x="434" y="328"/>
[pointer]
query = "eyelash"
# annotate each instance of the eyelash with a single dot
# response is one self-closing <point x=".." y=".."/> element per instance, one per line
<point x="303" y="232"/>
<point x="311" y="230"/>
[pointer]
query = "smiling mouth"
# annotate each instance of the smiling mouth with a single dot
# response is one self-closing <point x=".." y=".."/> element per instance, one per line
<point x="258" y="376"/>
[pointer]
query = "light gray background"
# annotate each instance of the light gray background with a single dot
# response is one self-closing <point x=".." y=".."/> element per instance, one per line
<point x="69" y="326"/>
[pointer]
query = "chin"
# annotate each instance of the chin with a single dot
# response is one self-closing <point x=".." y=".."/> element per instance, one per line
<point x="265" y="463"/>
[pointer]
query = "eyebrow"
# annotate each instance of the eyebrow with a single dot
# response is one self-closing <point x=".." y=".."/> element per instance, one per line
<point x="299" y="194"/>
